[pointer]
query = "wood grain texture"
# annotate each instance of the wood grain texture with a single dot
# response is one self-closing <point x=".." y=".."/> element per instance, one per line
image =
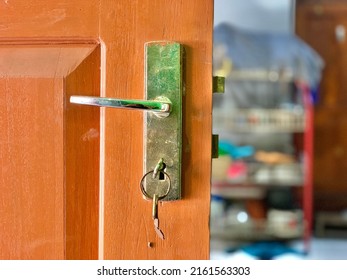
<point x="31" y="169"/>
<point x="128" y="226"/>
<point x="49" y="18"/>
<point x="316" y="23"/>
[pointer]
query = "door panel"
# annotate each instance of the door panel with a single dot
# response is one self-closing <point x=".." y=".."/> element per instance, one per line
<point x="31" y="160"/>
<point x="90" y="159"/>
<point x="49" y="150"/>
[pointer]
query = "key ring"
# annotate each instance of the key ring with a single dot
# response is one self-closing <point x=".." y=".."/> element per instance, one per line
<point x="149" y="196"/>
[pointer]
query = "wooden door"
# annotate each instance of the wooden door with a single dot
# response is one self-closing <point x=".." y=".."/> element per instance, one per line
<point x="69" y="175"/>
<point x="323" y="26"/>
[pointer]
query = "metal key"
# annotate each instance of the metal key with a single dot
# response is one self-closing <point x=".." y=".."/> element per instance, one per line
<point x="156" y="197"/>
<point x="155" y="217"/>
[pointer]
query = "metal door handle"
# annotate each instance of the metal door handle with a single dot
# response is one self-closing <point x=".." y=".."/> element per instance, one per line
<point x="161" y="106"/>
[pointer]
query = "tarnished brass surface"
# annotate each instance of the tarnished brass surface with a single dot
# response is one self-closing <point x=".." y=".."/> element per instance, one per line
<point x="163" y="136"/>
<point x="218" y="84"/>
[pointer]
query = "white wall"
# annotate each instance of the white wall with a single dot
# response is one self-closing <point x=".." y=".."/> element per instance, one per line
<point x="256" y="15"/>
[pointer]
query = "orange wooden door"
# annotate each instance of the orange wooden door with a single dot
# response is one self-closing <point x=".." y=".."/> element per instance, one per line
<point x="69" y="175"/>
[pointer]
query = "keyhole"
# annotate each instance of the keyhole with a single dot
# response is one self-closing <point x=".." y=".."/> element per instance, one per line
<point x="161" y="174"/>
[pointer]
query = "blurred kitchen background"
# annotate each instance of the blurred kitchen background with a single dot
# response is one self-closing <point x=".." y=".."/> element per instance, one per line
<point x="279" y="185"/>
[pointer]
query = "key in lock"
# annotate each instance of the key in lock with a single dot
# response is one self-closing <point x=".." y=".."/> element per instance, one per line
<point x="159" y="194"/>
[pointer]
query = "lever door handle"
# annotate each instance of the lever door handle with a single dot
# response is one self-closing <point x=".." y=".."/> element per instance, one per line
<point x="161" y="106"/>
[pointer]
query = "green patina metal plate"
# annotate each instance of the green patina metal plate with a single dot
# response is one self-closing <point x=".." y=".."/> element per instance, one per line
<point x="163" y="136"/>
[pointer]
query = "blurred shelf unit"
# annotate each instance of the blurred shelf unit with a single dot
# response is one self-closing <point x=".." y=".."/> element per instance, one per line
<point x="294" y="118"/>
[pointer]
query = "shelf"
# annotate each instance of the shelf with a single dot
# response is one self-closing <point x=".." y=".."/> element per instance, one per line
<point x="241" y="191"/>
<point x="283" y="75"/>
<point x="257" y="231"/>
<point x="260" y="120"/>
<point x="258" y="177"/>
<point x="257" y="184"/>
<point x="228" y="190"/>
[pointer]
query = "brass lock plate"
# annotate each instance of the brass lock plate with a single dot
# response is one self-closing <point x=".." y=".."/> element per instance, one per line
<point x="163" y="135"/>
